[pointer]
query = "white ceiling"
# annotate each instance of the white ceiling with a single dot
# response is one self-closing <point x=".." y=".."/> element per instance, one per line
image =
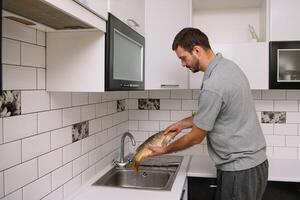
<point x="225" y="4"/>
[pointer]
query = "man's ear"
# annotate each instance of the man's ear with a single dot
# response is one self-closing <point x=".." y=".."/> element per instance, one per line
<point x="197" y="49"/>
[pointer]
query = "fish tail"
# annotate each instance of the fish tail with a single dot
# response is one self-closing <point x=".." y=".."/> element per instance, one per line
<point x="135" y="165"/>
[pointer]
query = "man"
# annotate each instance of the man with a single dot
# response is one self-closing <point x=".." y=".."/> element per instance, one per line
<point x="226" y="116"/>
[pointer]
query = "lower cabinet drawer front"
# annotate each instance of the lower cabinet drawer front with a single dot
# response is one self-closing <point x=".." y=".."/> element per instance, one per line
<point x="201" y="188"/>
<point x="282" y="191"/>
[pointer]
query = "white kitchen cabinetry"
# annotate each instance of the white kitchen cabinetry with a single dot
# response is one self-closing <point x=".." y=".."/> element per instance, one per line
<point x="284" y="20"/>
<point x="75" y="61"/>
<point x="164" y="19"/>
<point x="131" y="12"/>
<point x="226" y="24"/>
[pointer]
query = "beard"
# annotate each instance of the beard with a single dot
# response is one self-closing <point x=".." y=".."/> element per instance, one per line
<point x="194" y="67"/>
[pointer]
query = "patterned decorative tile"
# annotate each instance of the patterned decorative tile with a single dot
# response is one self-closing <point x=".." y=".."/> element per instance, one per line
<point x="273" y="117"/>
<point x="10" y="103"/>
<point x="121" y="105"/>
<point x="149" y="104"/>
<point x="80" y="131"/>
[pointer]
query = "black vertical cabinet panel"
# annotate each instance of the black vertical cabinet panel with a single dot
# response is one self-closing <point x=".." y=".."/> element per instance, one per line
<point x="282" y="191"/>
<point x="201" y="188"/>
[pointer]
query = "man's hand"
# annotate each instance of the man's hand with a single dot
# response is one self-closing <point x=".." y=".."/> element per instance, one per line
<point x="178" y="126"/>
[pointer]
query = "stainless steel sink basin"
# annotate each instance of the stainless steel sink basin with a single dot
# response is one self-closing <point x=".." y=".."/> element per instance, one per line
<point x="157" y="173"/>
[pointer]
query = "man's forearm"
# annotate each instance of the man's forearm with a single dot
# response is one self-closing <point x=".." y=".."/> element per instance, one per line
<point x="187" y="122"/>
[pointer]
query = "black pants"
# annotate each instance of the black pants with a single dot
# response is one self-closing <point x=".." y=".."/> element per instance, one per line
<point x="249" y="184"/>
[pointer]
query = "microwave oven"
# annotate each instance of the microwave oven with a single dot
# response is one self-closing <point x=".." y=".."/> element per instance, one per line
<point x="284" y="65"/>
<point x="125" y="57"/>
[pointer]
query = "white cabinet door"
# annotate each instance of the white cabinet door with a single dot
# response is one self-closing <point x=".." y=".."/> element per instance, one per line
<point x="99" y="7"/>
<point x="131" y="12"/>
<point x="164" y="19"/>
<point x="75" y="61"/>
<point x="284" y="20"/>
<point x="252" y="58"/>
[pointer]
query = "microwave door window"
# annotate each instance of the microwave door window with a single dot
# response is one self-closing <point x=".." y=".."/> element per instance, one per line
<point x="288" y="65"/>
<point x="128" y="58"/>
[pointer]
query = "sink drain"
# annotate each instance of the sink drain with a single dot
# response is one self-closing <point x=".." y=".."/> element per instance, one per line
<point x="144" y="174"/>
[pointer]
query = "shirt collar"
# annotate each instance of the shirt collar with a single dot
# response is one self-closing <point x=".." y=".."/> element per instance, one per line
<point x="212" y="65"/>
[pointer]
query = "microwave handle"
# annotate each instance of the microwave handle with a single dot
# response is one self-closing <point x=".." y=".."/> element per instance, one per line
<point x="132" y="23"/>
<point x="169" y="85"/>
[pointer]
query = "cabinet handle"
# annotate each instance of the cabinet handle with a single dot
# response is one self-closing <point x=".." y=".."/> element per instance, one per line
<point x="169" y="85"/>
<point x="132" y="23"/>
<point x="213" y="186"/>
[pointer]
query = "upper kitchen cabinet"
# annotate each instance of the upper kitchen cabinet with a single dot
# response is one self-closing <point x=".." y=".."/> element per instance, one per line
<point x="284" y="20"/>
<point x="238" y="30"/>
<point x="75" y="40"/>
<point x="164" y="19"/>
<point x="131" y="12"/>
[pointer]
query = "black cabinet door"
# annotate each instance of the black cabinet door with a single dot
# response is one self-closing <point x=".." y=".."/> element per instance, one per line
<point x="282" y="191"/>
<point x="201" y="188"/>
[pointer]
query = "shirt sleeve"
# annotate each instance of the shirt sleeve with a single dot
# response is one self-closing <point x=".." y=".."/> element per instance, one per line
<point x="209" y="106"/>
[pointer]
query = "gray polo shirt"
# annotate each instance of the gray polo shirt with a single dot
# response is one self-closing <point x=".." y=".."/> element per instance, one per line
<point x="226" y="111"/>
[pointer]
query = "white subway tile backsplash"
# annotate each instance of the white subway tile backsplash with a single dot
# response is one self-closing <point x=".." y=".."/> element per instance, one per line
<point x="293" y="94"/>
<point x="80" y="98"/>
<point x="96" y="155"/>
<point x="167" y="104"/>
<point x="41" y="38"/>
<point x="133" y="125"/>
<point x="273" y="94"/>
<point x="107" y="122"/>
<point x="293" y="141"/>
<point x="71" y="116"/>
<point x="132" y="104"/>
<point x="88" y="112"/>
<point x="196" y="94"/>
<point x="285" y="153"/>
<point x="178" y="115"/>
<point x="94" y="97"/>
<point x="1" y="185"/>
<point x="41" y="144"/>
<point x="34" y="101"/>
<point x="181" y="94"/>
<point x="149" y="125"/>
<point x="120" y="117"/>
<point x="264" y="105"/>
<point x="94" y="126"/>
<point x="41" y="79"/>
<point x="275" y="140"/>
<point x="61" y="137"/>
<point x="37" y="189"/>
<point x="71" y="151"/>
<point x="139" y="136"/>
<point x="49" y="120"/>
<point x="138" y="115"/>
<point x="1" y="130"/>
<point x="292" y="117"/>
<point x="101" y="137"/>
<point x="15" y="30"/>
<point x="71" y="186"/>
<point x="189" y="104"/>
<point x="159" y="94"/>
<point x="56" y="195"/>
<point x="11" y="51"/>
<point x="80" y="164"/>
<point x="256" y="94"/>
<point x="88" y="174"/>
<point x="164" y="124"/>
<point x="10" y="154"/>
<point x="268" y="129"/>
<point x="18" y="127"/>
<point x="111" y="133"/>
<point x="33" y="55"/>
<point x="60" y="99"/>
<point x="101" y="109"/>
<point x="138" y="94"/>
<point x="159" y="115"/>
<point x="17" y="195"/>
<point x="88" y="144"/>
<point x="285" y="129"/>
<point x="50" y="162"/>
<point x="61" y="175"/>
<point x="286" y="106"/>
<point x="12" y="80"/>
<point x="20" y="175"/>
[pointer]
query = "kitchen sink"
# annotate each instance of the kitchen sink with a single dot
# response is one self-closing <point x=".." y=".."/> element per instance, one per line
<point x="157" y="173"/>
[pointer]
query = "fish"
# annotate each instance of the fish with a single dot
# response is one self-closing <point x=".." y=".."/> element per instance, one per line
<point x="143" y="152"/>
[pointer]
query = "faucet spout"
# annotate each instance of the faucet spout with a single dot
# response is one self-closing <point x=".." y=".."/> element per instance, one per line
<point x="122" y="161"/>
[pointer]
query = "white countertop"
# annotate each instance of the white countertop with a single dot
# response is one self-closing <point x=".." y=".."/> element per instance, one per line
<point x="90" y="192"/>
<point x="279" y="169"/>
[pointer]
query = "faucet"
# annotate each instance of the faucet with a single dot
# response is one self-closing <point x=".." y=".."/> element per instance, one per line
<point x="122" y="162"/>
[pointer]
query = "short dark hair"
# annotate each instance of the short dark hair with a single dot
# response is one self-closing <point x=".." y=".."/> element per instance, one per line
<point x="187" y="38"/>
